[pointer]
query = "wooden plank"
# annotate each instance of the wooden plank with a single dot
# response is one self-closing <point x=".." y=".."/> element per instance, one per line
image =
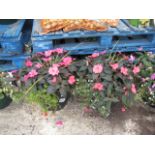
<point x="37" y="32"/>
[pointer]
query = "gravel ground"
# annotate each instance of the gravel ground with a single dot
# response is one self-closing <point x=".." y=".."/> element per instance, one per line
<point x="24" y="119"/>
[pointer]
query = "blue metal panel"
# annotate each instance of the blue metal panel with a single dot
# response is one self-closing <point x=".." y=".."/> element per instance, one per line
<point x="127" y="37"/>
<point x="11" y="31"/>
<point x="11" y="38"/>
<point x="12" y="62"/>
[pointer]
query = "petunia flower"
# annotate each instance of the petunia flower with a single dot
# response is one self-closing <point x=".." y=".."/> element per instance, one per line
<point x="94" y="55"/>
<point x="98" y="86"/>
<point x="33" y="73"/>
<point x="97" y="68"/>
<point x="47" y="59"/>
<point x="53" y="70"/>
<point x="67" y="61"/>
<point x="26" y="77"/>
<point x="28" y="63"/>
<point x="133" y="89"/>
<point x="140" y="48"/>
<point x="54" y="80"/>
<point x="59" y="50"/>
<point x="38" y="65"/>
<point x="153" y="76"/>
<point x="124" y="70"/>
<point x="71" y="80"/>
<point x="123" y="109"/>
<point x="132" y="58"/>
<point x="48" y="53"/>
<point x="136" y="70"/>
<point x="114" y="66"/>
<point x="59" y="123"/>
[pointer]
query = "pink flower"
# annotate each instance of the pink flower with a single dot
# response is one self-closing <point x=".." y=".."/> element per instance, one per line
<point x="40" y="53"/>
<point x="103" y="52"/>
<point x="53" y="70"/>
<point x="47" y="59"/>
<point x="71" y="80"/>
<point x="14" y="71"/>
<point x="87" y="109"/>
<point x="33" y="73"/>
<point x="114" y="66"/>
<point x="38" y="65"/>
<point x="54" y="80"/>
<point x="59" y="123"/>
<point x="48" y="53"/>
<point x="123" y="109"/>
<point x="136" y="70"/>
<point x="132" y="58"/>
<point x="98" y="86"/>
<point x="59" y="50"/>
<point x="95" y="55"/>
<point x="153" y="76"/>
<point x="97" y="68"/>
<point x="133" y="89"/>
<point x="153" y="86"/>
<point x="140" y="48"/>
<point x="124" y="70"/>
<point x="67" y="61"/>
<point x="61" y="64"/>
<point x="28" y="63"/>
<point x="125" y="91"/>
<point x="26" y="77"/>
<point x="143" y="79"/>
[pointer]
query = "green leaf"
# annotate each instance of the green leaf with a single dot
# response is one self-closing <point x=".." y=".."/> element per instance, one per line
<point x="124" y="100"/>
<point x="80" y="63"/>
<point x="82" y="68"/>
<point x="72" y="68"/>
<point x="51" y="90"/>
<point x="95" y="76"/>
<point x="106" y="77"/>
<point x="107" y="99"/>
<point x="104" y="111"/>
<point x="109" y="89"/>
<point x="63" y="70"/>
<point x="107" y="71"/>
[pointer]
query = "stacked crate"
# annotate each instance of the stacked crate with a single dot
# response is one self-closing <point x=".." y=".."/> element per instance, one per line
<point x="122" y="38"/>
<point x="11" y="46"/>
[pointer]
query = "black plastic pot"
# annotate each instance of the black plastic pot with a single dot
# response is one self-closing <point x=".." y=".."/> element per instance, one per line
<point x="151" y="105"/>
<point x="63" y="100"/>
<point x="5" y="101"/>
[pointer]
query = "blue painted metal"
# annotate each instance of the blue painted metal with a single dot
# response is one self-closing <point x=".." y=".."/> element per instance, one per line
<point x="11" y="46"/>
<point x="122" y="49"/>
<point x="123" y="36"/>
<point x="12" y="62"/>
<point x="11" y="38"/>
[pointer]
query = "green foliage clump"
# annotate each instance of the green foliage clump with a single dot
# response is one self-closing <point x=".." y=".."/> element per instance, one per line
<point x="47" y="101"/>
